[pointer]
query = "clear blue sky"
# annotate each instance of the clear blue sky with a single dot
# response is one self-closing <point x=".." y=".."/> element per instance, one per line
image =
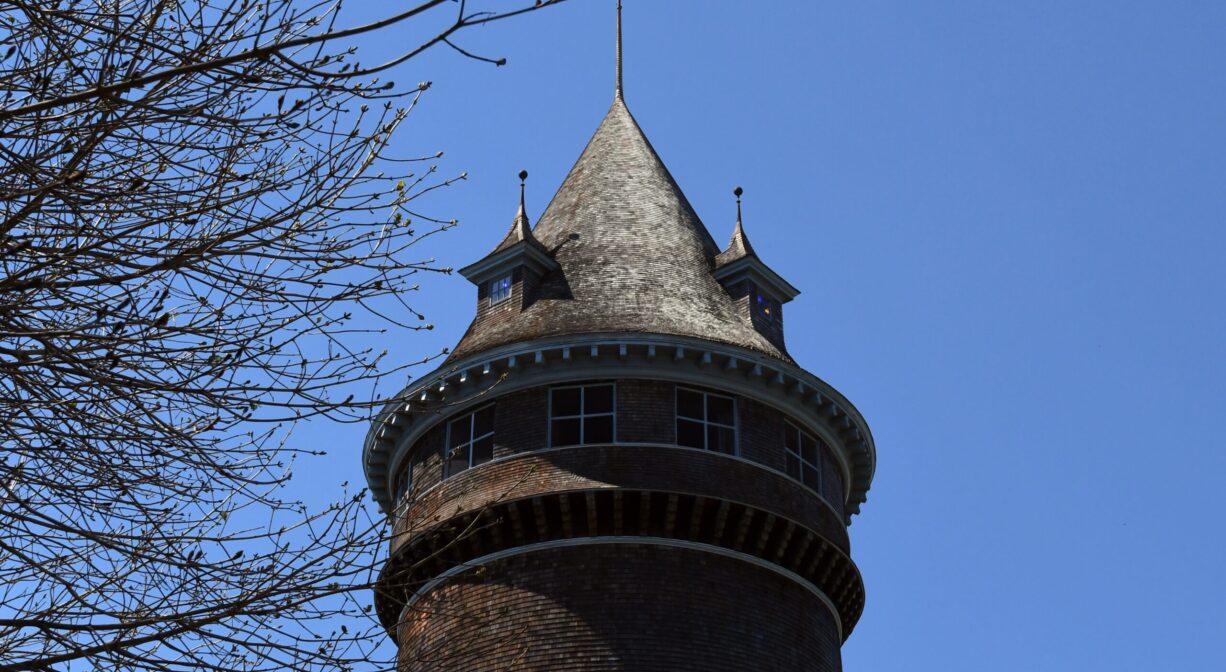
<point x="1007" y="222"/>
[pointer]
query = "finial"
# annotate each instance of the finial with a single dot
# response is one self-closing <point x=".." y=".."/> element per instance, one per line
<point x="737" y="192"/>
<point x="521" y="228"/>
<point x="619" y="49"/>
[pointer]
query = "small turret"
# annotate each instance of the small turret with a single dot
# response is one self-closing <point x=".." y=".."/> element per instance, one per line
<point x="759" y="291"/>
<point x="506" y="278"/>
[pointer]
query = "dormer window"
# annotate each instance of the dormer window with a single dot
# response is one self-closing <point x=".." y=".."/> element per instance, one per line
<point x="500" y="289"/>
<point x="768" y="308"/>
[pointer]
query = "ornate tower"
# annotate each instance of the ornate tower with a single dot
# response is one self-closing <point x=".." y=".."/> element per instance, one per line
<point x="619" y="467"/>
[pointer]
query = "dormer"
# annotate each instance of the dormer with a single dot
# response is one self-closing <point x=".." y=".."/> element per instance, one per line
<point x="507" y="277"/>
<point x="758" y="291"/>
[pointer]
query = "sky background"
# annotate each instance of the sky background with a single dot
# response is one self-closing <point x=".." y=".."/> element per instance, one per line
<point x="1006" y="220"/>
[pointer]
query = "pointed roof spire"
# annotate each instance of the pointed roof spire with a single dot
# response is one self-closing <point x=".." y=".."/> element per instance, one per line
<point x="739" y="245"/>
<point x="522" y="226"/>
<point x="619" y="50"/>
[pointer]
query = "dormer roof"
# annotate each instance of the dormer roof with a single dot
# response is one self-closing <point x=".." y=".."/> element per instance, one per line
<point x="737" y="247"/>
<point x="518" y="248"/>
<point x="739" y="262"/>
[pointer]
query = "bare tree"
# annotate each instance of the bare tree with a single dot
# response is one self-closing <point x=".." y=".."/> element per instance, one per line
<point x="198" y="214"/>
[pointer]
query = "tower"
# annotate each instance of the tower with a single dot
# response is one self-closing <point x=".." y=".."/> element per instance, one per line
<point x="619" y="466"/>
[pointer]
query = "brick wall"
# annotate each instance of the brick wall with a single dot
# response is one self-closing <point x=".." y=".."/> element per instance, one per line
<point x="620" y="607"/>
<point x="761" y="433"/>
<point x="646" y="412"/>
<point x="521" y="422"/>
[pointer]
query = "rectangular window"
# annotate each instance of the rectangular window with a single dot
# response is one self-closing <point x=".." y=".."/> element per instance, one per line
<point x="404" y="481"/>
<point x="804" y="457"/>
<point x="706" y="421"/>
<point x="500" y="290"/>
<point x="470" y="441"/>
<point x="581" y="415"/>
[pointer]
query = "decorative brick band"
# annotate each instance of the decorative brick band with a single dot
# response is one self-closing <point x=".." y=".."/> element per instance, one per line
<point x="506" y="524"/>
<point x="477" y="563"/>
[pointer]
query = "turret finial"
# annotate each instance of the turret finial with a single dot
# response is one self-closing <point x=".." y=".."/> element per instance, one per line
<point x="619" y="49"/>
<point x="737" y="192"/>
<point x="522" y="228"/>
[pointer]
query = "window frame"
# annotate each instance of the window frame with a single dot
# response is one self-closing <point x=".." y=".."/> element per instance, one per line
<point x="736" y="419"/>
<point x="472" y="439"/>
<point x="399" y="492"/>
<point x="819" y="445"/>
<point x="495" y="289"/>
<point x="582" y="417"/>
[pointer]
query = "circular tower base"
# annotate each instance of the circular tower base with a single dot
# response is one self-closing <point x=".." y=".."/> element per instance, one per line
<point x="619" y="605"/>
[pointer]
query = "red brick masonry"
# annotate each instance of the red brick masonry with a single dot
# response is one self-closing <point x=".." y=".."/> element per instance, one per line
<point x="620" y="607"/>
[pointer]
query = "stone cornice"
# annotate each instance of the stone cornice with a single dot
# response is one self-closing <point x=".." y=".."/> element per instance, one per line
<point x="790" y="389"/>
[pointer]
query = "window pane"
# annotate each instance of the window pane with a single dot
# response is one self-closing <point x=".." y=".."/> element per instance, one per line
<point x="689" y="405"/>
<point x="458" y="461"/>
<point x="793" y="466"/>
<point x="483" y="450"/>
<point x="565" y="432"/>
<point x="811" y="478"/>
<point x="721" y="439"/>
<point x="689" y="433"/>
<point x="598" y="429"/>
<point x="500" y="289"/>
<point x="598" y="399"/>
<point x="808" y="449"/>
<point x="461" y="431"/>
<point x="720" y="410"/>
<point x="483" y="421"/>
<point x="566" y="402"/>
<point x="791" y="439"/>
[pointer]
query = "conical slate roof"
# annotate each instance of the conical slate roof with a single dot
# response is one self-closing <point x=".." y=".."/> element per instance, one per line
<point x="633" y="256"/>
